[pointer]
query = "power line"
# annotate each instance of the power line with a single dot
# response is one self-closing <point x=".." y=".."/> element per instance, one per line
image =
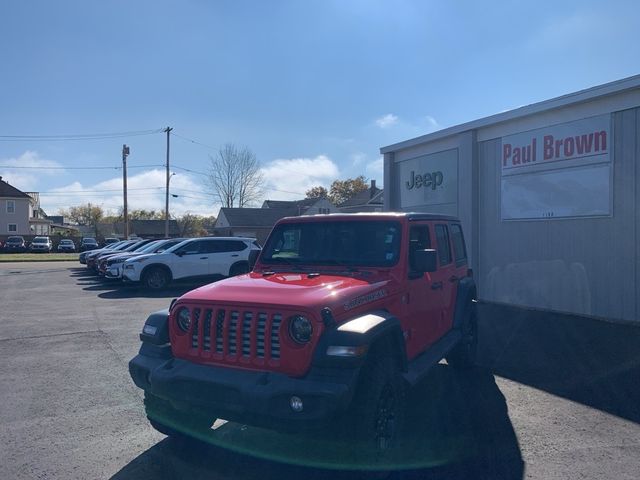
<point x="77" y="136"/>
<point x="191" y="171"/>
<point x="194" y="141"/>
<point x="216" y="149"/>
<point x="59" y="168"/>
<point x="58" y="192"/>
<point x="104" y="167"/>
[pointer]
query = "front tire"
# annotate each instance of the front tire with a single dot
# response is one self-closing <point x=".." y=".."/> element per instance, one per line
<point x="156" y="278"/>
<point x="179" y="426"/>
<point x="380" y="404"/>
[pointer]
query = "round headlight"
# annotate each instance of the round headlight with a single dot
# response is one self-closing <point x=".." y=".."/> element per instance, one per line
<point x="184" y="319"/>
<point x="300" y="329"/>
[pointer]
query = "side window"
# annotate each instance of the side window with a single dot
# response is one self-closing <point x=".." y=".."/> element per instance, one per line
<point x="234" y="246"/>
<point x="190" y="248"/>
<point x="211" y="246"/>
<point x="419" y="239"/>
<point x="444" y="250"/>
<point x="459" y="250"/>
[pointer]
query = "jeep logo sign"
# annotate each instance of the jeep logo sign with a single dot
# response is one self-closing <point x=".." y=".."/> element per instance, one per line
<point x="429" y="182"/>
<point x="426" y="180"/>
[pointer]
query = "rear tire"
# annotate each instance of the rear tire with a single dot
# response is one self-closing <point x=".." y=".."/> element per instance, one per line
<point x="463" y="356"/>
<point x="239" y="269"/>
<point x="156" y="278"/>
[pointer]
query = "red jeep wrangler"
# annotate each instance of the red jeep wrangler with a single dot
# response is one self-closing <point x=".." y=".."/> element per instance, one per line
<point x="340" y="314"/>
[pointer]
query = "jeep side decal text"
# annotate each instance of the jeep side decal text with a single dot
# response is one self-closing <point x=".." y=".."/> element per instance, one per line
<point x="368" y="298"/>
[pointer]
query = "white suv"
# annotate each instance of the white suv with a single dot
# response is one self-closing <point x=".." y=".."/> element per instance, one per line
<point x="191" y="259"/>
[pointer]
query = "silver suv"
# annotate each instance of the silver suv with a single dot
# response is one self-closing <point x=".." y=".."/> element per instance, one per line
<point x="41" y="244"/>
<point x="196" y="258"/>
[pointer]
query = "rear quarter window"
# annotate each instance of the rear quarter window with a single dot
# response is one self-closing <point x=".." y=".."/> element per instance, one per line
<point x="444" y="250"/>
<point x="459" y="250"/>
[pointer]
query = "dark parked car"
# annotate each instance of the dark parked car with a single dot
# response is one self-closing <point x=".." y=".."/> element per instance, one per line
<point x="110" y="240"/>
<point x="88" y="243"/>
<point x="66" y="245"/>
<point x="15" y="244"/>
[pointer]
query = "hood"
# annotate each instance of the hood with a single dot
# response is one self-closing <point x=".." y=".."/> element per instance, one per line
<point x="292" y="289"/>
<point x="137" y="256"/>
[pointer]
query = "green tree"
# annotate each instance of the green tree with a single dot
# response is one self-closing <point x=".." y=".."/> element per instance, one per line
<point x="317" y="192"/>
<point x="85" y="215"/>
<point x="145" y="215"/>
<point x="343" y="190"/>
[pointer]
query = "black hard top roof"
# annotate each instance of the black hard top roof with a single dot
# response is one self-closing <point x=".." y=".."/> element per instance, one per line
<point x="411" y="216"/>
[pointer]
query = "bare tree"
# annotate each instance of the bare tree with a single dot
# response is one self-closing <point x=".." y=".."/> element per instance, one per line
<point x="235" y="176"/>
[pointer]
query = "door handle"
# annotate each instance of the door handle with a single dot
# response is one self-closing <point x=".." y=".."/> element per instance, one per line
<point x="235" y="255"/>
<point x="436" y="285"/>
<point x="453" y="278"/>
<point x="203" y="258"/>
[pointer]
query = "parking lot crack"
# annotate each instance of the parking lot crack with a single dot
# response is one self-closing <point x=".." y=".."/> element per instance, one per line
<point x="84" y="332"/>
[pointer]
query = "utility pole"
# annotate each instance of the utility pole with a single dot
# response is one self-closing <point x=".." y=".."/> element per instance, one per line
<point x="166" y="202"/>
<point x="125" y="152"/>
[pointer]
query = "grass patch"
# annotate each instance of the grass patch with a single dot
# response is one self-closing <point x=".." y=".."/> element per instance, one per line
<point x="38" y="257"/>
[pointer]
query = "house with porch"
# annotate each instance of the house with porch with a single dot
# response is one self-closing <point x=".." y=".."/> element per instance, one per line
<point x="20" y="212"/>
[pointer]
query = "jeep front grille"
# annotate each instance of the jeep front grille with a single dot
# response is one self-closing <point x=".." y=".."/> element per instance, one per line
<point x="229" y="333"/>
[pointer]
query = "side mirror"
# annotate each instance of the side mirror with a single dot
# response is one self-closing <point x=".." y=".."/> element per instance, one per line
<point x="179" y="253"/>
<point x="426" y="260"/>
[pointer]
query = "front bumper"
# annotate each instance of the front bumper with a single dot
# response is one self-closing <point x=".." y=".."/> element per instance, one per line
<point x="130" y="275"/>
<point x="114" y="272"/>
<point x="255" y="398"/>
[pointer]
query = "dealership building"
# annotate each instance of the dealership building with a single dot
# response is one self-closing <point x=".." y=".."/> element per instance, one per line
<point x="548" y="195"/>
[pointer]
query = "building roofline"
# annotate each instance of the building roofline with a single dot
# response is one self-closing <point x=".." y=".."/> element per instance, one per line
<point x="592" y="93"/>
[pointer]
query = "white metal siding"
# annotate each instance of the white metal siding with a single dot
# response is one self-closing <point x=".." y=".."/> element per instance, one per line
<point x="587" y="266"/>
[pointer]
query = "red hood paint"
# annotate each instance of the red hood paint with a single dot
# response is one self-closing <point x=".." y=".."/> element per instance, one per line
<point x="290" y="289"/>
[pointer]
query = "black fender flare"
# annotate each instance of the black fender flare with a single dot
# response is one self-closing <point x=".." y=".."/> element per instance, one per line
<point x="378" y="328"/>
<point x="156" y="328"/>
<point x="466" y="294"/>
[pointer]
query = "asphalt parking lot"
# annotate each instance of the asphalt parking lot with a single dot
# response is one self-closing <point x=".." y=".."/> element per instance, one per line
<point x="536" y="408"/>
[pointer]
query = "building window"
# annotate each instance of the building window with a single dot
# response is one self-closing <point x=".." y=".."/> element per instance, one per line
<point x="12" y="228"/>
<point x="11" y="206"/>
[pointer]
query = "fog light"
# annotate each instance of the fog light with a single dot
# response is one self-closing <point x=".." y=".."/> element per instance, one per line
<point x="296" y="404"/>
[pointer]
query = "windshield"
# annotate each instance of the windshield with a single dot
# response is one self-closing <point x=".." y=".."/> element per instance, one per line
<point x="175" y="247"/>
<point x="150" y="247"/>
<point x="15" y="239"/>
<point x="89" y="240"/>
<point x="40" y="240"/>
<point x="361" y="243"/>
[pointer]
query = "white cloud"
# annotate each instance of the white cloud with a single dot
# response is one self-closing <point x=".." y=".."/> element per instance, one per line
<point x="145" y="190"/>
<point x="357" y="159"/>
<point x="387" y="120"/>
<point x="289" y="179"/>
<point x="375" y="170"/>
<point x="31" y="166"/>
<point x="432" y="123"/>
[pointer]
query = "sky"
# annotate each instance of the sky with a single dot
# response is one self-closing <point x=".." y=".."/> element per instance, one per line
<point x="313" y="87"/>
